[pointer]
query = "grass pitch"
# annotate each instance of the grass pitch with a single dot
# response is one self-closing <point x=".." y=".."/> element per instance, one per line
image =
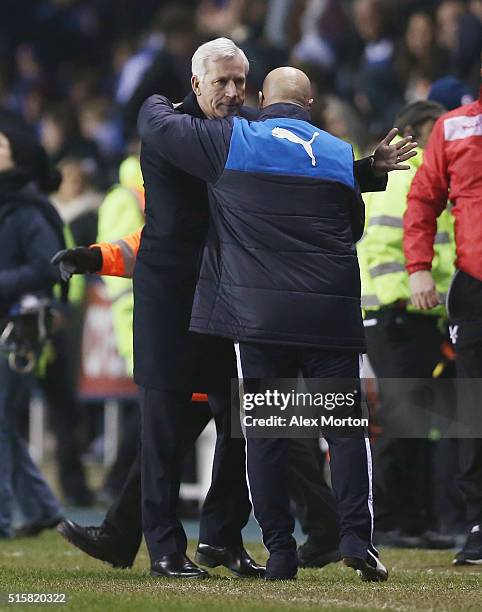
<point x="419" y="580"/>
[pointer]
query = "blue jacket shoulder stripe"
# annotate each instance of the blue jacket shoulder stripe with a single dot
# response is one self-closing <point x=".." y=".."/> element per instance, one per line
<point x="289" y="147"/>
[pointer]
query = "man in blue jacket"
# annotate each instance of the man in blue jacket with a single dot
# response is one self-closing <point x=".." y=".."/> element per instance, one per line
<point x="280" y="276"/>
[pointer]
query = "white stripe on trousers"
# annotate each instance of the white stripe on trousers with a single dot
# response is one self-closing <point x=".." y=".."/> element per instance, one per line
<point x="241" y="392"/>
<point x="370" y="470"/>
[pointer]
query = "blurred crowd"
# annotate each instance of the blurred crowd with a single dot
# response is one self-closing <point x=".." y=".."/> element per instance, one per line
<point x="77" y="71"/>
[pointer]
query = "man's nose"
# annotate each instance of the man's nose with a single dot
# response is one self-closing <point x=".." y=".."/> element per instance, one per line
<point x="230" y="91"/>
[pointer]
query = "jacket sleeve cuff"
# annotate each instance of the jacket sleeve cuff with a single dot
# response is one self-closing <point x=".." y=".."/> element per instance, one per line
<point x="416" y="267"/>
<point x="112" y="260"/>
<point x="366" y="178"/>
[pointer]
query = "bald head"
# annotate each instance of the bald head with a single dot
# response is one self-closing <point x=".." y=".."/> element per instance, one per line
<point x="287" y="85"/>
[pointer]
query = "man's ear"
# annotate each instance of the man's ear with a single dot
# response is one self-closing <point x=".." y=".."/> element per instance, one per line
<point x="310" y="103"/>
<point x="195" y="85"/>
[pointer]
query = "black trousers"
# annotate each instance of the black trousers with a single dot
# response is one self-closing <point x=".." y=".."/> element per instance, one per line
<point x="402" y="345"/>
<point x="315" y="503"/>
<point x="268" y="458"/>
<point x="124" y="518"/>
<point x="465" y="305"/>
<point x="166" y="436"/>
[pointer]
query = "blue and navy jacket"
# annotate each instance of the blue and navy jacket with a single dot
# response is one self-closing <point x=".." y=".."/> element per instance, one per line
<point x="279" y="264"/>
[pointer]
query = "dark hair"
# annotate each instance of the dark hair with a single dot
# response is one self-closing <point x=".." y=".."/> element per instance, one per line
<point x="416" y="113"/>
<point x="31" y="158"/>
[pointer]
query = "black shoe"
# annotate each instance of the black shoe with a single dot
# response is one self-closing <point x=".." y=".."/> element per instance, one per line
<point x="33" y="529"/>
<point x="177" y="565"/>
<point x="471" y="553"/>
<point x="370" y="569"/>
<point x="235" y="558"/>
<point x="317" y="552"/>
<point x="96" y="542"/>
<point x="282" y="566"/>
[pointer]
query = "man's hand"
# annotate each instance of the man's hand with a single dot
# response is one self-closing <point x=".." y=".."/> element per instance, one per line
<point x="78" y="261"/>
<point x="388" y="157"/>
<point x="423" y="292"/>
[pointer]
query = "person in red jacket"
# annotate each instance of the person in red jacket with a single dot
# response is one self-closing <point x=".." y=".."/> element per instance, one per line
<point x="452" y="168"/>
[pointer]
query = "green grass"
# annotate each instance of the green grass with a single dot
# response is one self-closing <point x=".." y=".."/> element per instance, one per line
<point x="419" y="580"/>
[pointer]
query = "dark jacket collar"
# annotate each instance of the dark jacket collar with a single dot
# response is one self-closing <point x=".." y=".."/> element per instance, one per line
<point x="191" y="107"/>
<point x="293" y="111"/>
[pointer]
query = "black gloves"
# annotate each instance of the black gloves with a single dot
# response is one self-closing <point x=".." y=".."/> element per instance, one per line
<point x="78" y="261"/>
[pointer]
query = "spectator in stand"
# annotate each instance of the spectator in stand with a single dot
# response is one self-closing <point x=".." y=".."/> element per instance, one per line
<point x="450" y="93"/>
<point x="29" y="77"/>
<point x="59" y="133"/>
<point x="68" y="29"/>
<point x="470" y="43"/>
<point x="460" y="32"/>
<point x="452" y="167"/>
<point x="33" y="107"/>
<point x="216" y="18"/>
<point x="77" y="201"/>
<point x="170" y="69"/>
<point x="98" y="123"/>
<point x="340" y="119"/>
<point x="475" y="7"/>
<point x="420" y="59"/>
<point x="137" y="64"/>
<point x="449" y="14"/>
<point x="378" y="95"/>
<point x="323" y="28"/>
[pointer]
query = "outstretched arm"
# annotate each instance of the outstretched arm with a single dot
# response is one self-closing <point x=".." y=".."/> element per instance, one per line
<point x="106" y="258"/>
<point x="371" y="172"/>
<point x="197" y="146"/>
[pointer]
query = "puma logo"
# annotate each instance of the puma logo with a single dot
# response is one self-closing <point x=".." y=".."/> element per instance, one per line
<point x="306" y="144"/>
